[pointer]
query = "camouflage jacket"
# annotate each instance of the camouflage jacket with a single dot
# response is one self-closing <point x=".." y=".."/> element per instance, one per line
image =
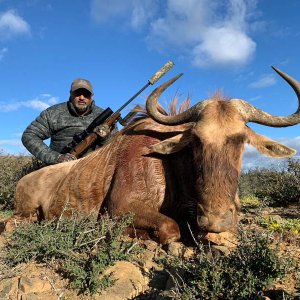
<point x="60" y="123"/>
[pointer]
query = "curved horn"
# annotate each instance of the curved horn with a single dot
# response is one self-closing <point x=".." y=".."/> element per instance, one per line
<point x="186" y="116"/>
<point x="251" y="113"/>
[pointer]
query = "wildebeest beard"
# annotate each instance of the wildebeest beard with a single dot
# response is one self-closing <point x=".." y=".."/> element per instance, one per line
<point x="211" y="181"/>
<point x="217" y="171"/>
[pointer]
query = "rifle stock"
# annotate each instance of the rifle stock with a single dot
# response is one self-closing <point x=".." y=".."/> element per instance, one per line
<point x="84" y="145"/>
<point x="92" y="137"/>
<point x="113" y="118"/>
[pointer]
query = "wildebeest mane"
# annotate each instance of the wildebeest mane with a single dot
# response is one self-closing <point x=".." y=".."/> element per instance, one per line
<point x="172" y="109"/>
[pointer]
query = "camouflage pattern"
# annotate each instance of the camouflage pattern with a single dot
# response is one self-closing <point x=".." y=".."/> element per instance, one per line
<point x="59" y="122"/>
<point x="81" y="84"/>
<point x="161" y="72"/>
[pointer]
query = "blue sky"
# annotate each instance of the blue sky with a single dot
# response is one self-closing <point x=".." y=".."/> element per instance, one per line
<point x="224" y="45"/>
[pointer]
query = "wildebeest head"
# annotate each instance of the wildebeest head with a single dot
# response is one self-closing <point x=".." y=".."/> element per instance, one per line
<point x="218" y="137"/>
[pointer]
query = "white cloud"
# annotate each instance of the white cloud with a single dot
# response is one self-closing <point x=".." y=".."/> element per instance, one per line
<point x="223" y="46"/>
<point x="135" y="13"/>
<point x="208" y="32"/>
<point x="264" y="81"/>
<point x="214" y="32"/>
<point x="2" y="53"/>
<point x="40" y="103"/>
<point x="11" y="24"/>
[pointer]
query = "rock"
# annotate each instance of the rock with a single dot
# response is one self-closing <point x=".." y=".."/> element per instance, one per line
<point x="129" y="282"/>
<point x="179" y="250"/>
<point x="220" y="249"/>
<point x="176" y="249"/>
<point x="37" y="296"/>
<point x="226" y="239"/>
<point x="9" y="288"/>
<point x="151" y="265"/>
<point x="151" y="245"/>
<point x="276" y="218"/>
<point x="33" y="285"/>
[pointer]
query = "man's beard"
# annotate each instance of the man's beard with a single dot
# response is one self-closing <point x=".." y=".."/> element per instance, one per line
<point x="81" y="108"/>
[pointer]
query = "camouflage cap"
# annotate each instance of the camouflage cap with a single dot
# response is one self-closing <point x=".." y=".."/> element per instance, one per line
<point x="81" y="84"/>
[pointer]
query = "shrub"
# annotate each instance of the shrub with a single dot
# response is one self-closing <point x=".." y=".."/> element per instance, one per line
<point x="251" y="201"/>
<point x="12" y="169"/>
<point x="284" y="226"/>
<point x="276" y="186"/>
<point x="243" y="274"/>
<point x="79" y="248"/>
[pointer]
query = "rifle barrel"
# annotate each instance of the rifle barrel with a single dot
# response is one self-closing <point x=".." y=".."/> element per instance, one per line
<point x="151" y="81"/>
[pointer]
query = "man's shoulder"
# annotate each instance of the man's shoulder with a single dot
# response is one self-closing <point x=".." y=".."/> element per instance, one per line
<point x="98" y="108"/>
<point x="56" y="108"/>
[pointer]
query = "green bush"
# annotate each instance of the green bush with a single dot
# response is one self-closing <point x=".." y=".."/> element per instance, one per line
<point x="283" y="226"/>
<point x="251" y="201"/>
<point x="12" y="169"/>
<point x="275" y="186"/>
<point x="79" y="248"/>
<point x="244" y="274"/>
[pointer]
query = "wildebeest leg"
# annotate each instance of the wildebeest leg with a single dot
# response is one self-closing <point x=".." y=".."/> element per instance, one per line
<point x="24" y="212"/>
<point x="145" y="217"/>
<point x="133" y="232"/>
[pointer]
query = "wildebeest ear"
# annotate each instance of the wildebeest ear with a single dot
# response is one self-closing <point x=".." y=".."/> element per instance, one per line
<point x="269" y="147"/>
<point x="275" y="149"/>
<point x="171" y="145"/>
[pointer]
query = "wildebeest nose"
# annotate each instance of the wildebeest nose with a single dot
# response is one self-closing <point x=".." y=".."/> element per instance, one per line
<point x="216" y="223"/>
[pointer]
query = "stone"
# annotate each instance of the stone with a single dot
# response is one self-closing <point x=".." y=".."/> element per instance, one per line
<point x="37" y="296"/>
<point x="226" y="239"/>
<point x="221" y="249"/>
<point x="34" y="285"/>
<point x="150" y="245"/>
<point x="177" y="249"/>
<point x="129" y="282"/>
<point x="9" y="288"/>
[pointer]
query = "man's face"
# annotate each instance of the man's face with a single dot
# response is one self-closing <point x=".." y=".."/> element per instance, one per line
<point x="81" y="99"/>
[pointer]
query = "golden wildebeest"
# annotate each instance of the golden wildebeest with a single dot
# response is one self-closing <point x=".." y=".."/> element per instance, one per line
<point x="164" y="169"/>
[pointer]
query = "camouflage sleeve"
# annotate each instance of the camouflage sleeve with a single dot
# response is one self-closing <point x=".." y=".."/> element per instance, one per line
<point x="34" y="136"/>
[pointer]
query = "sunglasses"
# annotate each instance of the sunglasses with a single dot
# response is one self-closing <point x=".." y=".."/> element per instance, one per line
<point x="83" y="92"/>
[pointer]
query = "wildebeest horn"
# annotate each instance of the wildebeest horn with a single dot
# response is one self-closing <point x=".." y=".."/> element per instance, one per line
<point x="184" y="117"/>
<point x="251" y="113"/>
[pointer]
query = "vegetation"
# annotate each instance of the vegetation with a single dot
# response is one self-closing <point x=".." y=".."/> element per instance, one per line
<point x="80" y="248"/>
<point x="282" y="226"/>
<point x="274" y="186"/>
<point x="12" y="169"/>
<point x="251" y="201"/>
<point x="243" y="274"/>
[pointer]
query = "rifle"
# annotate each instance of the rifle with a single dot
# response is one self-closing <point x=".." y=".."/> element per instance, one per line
<point x="98" y="128"/>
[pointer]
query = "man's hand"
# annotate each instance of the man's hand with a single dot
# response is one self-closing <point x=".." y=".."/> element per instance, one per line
<point x="102" y="130"/>
<point x="66" y="157"/>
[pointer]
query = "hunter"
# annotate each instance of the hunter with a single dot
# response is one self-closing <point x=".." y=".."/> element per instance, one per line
<point x="60" y="123"/>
